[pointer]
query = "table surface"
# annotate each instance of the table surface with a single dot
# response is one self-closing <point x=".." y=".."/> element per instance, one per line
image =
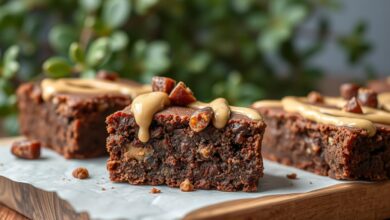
<point x="348" y="200"/>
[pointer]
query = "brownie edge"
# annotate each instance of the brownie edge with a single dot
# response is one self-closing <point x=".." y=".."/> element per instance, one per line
<point x="227" y="159"/>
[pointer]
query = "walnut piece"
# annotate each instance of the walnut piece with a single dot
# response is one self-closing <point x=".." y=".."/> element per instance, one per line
<point x="80" y="173"/>
<point x="186" y="186"/>
<point x="201" y="118"/>
<point x="155" y="190"/>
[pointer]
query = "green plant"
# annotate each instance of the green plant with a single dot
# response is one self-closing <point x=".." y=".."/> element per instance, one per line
<point x="224" y="48"/>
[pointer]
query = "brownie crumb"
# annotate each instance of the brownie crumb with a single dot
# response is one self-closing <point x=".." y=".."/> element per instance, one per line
<point x="26" y="149"/>
<point x="103" y="189"/>
<point x="292" y="176"/>
<point x="155" y="190"/>
<point x="186" y="186"/>
<point x="310" y="182"/>
<point x="112" y="187"/>
<point x="80" y="173"/>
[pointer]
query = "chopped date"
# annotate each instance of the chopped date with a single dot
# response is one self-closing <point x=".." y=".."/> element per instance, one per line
<point x="353" y="106"/>
<point x="349" y="90"/>
<point x="181" y="95"/>
<point x="162" y="84"/>
<point x="26" y="149"/>
<point x="201" y="118"/>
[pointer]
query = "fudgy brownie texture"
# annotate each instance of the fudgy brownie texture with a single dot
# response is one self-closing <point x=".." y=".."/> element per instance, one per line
<point x="339" y="152"/>
<point x="71" y="124"/>
<point x="227" y="159"/>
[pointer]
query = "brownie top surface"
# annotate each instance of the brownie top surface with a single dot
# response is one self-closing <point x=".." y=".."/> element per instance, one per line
<point x="186" y="112"/>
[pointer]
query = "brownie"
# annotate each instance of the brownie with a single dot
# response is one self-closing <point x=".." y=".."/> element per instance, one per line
<point x="177" y="152"/>
<point x="71" y="123"/>
<point x="338" y="151"/>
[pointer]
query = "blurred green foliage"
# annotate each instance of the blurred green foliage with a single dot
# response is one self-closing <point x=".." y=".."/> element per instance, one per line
<point x="230" y="48"/>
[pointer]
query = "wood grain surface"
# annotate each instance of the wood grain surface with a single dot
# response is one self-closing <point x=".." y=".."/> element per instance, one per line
<point x="343" y="201"/>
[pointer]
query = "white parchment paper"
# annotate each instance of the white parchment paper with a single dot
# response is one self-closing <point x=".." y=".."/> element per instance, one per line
<point x="103" y="199"/>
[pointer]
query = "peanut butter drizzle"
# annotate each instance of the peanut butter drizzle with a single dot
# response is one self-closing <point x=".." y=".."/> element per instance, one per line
<point x="332" y="116"/>
<point x="222" y="111"/>
<point x="144" y="107"/>
<point x="89" y="86"/>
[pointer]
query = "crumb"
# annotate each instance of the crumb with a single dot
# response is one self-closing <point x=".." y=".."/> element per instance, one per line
<point x="310" y="182"/>
<point x="103" y="189"/>
<point x="186" y="186"/>
<point x="112" y="187"/>
<point x="292" y="176"/>
<point x="80" y="173"/>
<point x="155" y="190"/>
<point x="26" y="149"/>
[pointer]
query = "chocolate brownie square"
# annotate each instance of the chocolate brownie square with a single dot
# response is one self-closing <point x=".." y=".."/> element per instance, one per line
<point x="68" y="115"/>
<point x="343" y="139"/>
<point x="193" y="145"/>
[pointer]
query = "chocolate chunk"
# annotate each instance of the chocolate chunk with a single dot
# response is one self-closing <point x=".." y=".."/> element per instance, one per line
<point x="353" y="106"/>
<point x="80" y="173"/>
<point x="181" y="95"/>
<point x="107" y="75"/>
<point x="315" y="97"/>
<point x="26" y="149"/>
<point x="349" y="90"/>
<point x="368" y="97"/>
<point x="201" y="118"/>
<point x="162" y="84"/>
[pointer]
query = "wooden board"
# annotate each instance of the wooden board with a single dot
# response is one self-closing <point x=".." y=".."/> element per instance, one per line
<point x="344" y="201"/>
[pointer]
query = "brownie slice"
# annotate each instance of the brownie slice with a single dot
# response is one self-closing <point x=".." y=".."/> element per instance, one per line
<point x="73" y="124"/>
<point x="336" y="151"/>
<point x="227" y="159"/>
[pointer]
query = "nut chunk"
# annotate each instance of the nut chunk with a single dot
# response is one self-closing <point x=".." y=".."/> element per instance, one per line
<point x="162" y="84"/>
<point x="349" y="90"/>
<point x="368" y="97"/>
<point x="181" y="95"/>
<point x="201" y="118"/>
<point x="353" y="106"/>
<point x="186" y="186"/>
<point x="80" y="173"/>
<point x="26" y="149"/>
<point x="106" y="75"/>
<point x="315" y="97"/>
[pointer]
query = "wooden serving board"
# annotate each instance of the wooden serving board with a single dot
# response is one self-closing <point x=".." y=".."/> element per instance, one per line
<point x="343" y="201"/>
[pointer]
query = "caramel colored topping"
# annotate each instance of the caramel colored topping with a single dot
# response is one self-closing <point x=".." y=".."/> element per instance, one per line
<point x="267" y="103"/>
<point x="144" y="107"/>
<point x="138" y="153"/>
<point x="222" y="111"/>
<point x="89" y="86"/>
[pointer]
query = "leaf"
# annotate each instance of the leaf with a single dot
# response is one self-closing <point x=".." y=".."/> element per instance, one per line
<point x="116" y="12"/>
<point x="10" y="69"/>
<point x="99" y="52"/>
<point x="57" y="67"/>
<point x="157" y="59"/>
<point x="118" y="41"/>
<point x="61" y="36"/>
<point x="142" y="6"/>
<point x="11" y="54"/>
<point x="76" y="53"/>
<point x="90" y="5"/>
